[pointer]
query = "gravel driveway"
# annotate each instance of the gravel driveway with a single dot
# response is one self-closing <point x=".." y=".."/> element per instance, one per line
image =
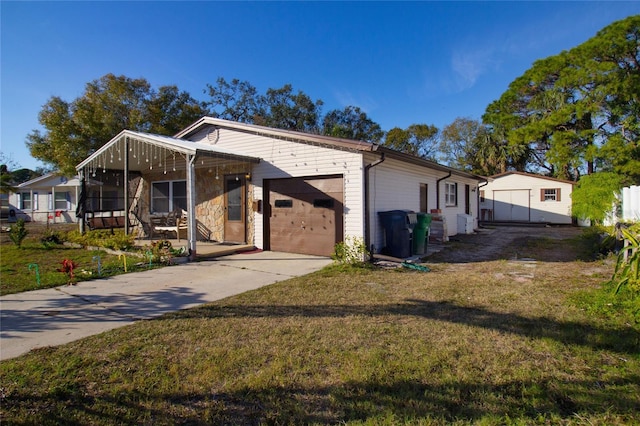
<point x="508" y="242"/>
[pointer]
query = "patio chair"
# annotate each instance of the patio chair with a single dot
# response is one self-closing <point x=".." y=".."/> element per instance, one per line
<point x="175" y="222"/>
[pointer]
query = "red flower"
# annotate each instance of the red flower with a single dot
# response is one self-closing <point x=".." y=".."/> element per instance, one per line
<point x="68" y="266"/>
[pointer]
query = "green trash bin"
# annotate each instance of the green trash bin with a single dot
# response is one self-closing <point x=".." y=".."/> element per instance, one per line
<point x="420" y="233"/>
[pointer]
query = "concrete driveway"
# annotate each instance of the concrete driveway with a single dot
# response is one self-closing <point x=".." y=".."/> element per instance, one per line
<point x="60" y="315"/>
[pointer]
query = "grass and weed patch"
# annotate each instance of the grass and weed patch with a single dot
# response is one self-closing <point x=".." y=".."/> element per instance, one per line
<point x="16" y="275"/>
<point x="36" y="262"/>
<point x="496" y="342"/>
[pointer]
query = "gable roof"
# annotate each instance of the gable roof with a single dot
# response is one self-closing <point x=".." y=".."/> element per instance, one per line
<point x="49" y="180"/>
<point x="329" y="141"/>
<point x="533" y="175"/>
<point x="275" y="133"/>
<point x="167" y="143"/>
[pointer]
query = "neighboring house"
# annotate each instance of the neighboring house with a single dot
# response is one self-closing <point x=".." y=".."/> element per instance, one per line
<point x="526" y="197"/>
<point x="278" y="190"/>
<point x="49" y="197"/>
<point x="53" y="198"/>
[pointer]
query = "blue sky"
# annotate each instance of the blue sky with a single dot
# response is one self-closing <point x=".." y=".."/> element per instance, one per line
<point x="403" y="63"/>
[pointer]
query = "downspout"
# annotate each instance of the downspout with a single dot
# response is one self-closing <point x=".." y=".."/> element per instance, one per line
<point x="367" y="215"/>
<point x="438" y="189"/>
<point x="82" y="200"/>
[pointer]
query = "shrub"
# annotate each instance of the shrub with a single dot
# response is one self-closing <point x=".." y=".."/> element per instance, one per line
<point x="595" y="195"/>
<point x="116" y="239"/>
<point x="18" y="232"/>
<point x="352" y="251"/>
<point x="51" y="238"/>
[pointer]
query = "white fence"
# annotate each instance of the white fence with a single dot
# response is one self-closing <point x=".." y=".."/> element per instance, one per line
<point x="631" y="203"/>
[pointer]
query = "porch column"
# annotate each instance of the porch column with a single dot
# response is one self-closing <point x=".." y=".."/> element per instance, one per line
<point x="126" y="186"/>
<point x="53" y="204"/>
<point x="191" y="202"/>
<point x="81" y="208"/>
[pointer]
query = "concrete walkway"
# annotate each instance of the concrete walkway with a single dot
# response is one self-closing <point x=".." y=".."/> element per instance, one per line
<point x="60" y="315"/>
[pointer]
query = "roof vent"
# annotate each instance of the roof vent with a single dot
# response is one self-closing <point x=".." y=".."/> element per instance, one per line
<point x="213" y="135"/>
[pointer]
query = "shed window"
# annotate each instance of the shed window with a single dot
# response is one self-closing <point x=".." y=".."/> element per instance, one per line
<point x="550" y="194"/>
<point x="450" y="194"/>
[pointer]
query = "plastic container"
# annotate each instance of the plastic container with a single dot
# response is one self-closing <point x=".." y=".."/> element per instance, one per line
<point x="398" y="228"/>
<point x="420" y="233"/>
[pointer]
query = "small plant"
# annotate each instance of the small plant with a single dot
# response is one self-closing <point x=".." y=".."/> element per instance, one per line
<point x="51" y="239"/>
<point x="68" y="267"/>
<point x="18" y="233"/>
<point x="627" y="271"/>
<point x="352" y="251"/>
<point x="161" y="251"/>
<point x="626" y="276"/>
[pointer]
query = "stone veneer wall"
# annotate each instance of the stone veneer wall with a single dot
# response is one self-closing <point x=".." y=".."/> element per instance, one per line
<point x="209" y="199"/>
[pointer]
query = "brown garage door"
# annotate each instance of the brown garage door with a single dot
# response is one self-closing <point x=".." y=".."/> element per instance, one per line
<point x="305" y="214"/>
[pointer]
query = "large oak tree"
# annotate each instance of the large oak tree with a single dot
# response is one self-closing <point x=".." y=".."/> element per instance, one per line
<point x="74" y="130"/>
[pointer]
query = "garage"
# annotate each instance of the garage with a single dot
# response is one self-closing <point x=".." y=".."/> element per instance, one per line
<point x="304" y="214"/>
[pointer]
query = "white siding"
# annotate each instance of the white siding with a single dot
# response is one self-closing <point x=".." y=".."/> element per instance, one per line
<point x="282" y="159"/>
<point x="631" y="203"/>
<point x="557" y="212"/>
<point x="395" y="185"/>
<point x="42" y="193"/>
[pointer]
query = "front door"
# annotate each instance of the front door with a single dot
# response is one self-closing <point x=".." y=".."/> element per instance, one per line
<point x="235" y="209"/>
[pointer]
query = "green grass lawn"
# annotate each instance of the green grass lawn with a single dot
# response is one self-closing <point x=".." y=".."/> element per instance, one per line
<point x="499" y="342"/>
<point x="17" y="276"/>
<point x="18" y="271"/>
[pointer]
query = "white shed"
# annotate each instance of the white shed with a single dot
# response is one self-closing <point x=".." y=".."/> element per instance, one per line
<point x="526" y="198"/>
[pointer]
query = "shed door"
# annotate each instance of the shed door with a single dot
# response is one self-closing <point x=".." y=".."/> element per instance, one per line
<point x="305" y="214"/>
<point x="511" y="205"/>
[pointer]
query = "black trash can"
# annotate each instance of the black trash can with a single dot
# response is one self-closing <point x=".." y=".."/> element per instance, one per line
<point x="420" y="233"/>
<point x="398" y="229"/>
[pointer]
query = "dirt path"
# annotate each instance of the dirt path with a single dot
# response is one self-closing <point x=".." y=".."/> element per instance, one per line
<point x="510" y="242"/>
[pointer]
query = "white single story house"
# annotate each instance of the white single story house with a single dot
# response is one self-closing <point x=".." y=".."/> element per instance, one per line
<point x="275" y="189"/>
<point x="527" y="198"/>
<point x="50" y="197"/>
<point x="54" y="198"/>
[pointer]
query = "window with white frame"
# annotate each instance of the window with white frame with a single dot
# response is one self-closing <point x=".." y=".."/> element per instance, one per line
<point x="167" y="196"/>
<point x="450" y="194"/>
<point x="25" y="201"/>
<point x="550" y="194"/>
<point x="61" y="201"/>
